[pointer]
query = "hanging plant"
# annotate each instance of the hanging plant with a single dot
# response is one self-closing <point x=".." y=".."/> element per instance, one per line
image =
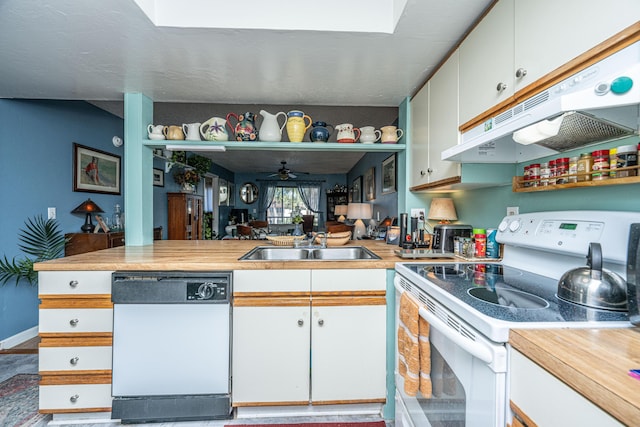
<point x="200" y="163"/>
<point x="43" y="241"/>
<point x="186" y="176"/>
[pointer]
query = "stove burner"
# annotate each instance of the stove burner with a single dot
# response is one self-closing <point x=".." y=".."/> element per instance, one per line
<point x="508" y="298"/>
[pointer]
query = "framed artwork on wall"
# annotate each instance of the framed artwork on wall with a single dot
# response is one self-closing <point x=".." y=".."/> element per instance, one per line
<point x="355" y="195"/>
<point x="95" y="171"/>
<point x="158" y="177"/>
<point x="370" y="184"/>
<point x="389" y="175"/>
<point x="232" y="193"/>
<point x="223" y="192"/>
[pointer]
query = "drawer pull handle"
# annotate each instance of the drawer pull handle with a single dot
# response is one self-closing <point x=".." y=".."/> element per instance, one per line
<point x="74" y="360"/>
<point x="73" y="283"/>
<point x="74" y="398"/>
<point x="73" y="322"/>
<point x="321" y="322"/>
<point x="501" y="87"/>
<point x="300" y="322"/>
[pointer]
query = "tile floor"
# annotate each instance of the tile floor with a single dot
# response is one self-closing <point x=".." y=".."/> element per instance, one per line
<point x="12" y="364"/>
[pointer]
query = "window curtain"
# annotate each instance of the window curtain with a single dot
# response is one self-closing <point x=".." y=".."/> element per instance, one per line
<point x="265" y="198"/>
<point x="310" y="195"/>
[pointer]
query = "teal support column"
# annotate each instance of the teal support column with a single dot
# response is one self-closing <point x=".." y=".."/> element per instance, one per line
<point x="389" y="409"/>
<point x="403" y="162"/>
<point x="138" y="171"/>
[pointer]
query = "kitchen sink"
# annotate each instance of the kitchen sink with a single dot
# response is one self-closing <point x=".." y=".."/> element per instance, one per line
<point x="270" y="253"/>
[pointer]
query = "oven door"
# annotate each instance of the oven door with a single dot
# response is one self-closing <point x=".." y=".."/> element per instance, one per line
<point x="468" y="374"/>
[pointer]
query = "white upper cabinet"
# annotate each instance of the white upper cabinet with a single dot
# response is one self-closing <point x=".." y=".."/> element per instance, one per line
<point x="486" y="62"/>
<point x="419" y="158"/>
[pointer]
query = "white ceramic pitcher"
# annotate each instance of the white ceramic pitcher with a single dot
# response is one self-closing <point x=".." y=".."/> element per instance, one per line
<point x="191" y="131"/>
<point x="270" y="130"/>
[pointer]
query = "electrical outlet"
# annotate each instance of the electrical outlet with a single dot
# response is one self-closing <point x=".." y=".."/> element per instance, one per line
<point x="513" y="210"/>
<point x="417" y="212"/>
<point x="51" y="213"/>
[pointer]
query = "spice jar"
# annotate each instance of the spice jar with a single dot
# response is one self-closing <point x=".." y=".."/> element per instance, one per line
<point x="552" y="172"/>
<point x="585" y="165"/>
<point x="562" y="170"/>
<point x="573" y="169"/>
<point x="545" y="174"/>
<point x="480" y="239"/>
<point x="627" y="156"/>
<point x="600" y="165"/>
<point x="613" y="161"/>
<point x="534" y="175"/>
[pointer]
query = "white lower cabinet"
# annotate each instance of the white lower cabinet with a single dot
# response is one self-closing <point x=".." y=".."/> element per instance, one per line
<point x="548" y="401"/>
<point x="325" y="346"/>
<point x="74" y="397"/>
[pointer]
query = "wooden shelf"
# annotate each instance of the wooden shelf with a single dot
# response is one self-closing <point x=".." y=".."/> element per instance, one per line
<point x="279" y="146"/>
<point x="518" y="183"/>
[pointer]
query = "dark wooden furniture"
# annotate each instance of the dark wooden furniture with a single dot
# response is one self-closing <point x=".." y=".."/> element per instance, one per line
<point x="184" y="216"/>
<point x="80" y="243"/>
<point x="335" y="198"/>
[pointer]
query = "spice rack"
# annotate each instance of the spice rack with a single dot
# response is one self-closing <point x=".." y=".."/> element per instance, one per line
<point x="520" y="185"/>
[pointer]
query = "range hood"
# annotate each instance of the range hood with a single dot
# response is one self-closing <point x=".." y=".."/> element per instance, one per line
<point x="600" y="103"/>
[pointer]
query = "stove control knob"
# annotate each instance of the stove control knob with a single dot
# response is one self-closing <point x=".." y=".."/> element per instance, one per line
<point x="503" y="226"/>
<point x="514" y="225"/>
<point x="206" y="291"/>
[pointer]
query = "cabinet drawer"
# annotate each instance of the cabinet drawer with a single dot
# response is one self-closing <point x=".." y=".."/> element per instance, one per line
<point x="271" y="281"/>
<point x="74" y="282"/>
<point x="349" y="280"/>
<point x="70" y="320"/>
<point x="116" y="239"/>
<point x="74" y="358"/>
<point x="75" y="397"/>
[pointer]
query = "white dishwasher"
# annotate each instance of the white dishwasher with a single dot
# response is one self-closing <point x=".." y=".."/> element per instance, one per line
<point x="171" y="346"/>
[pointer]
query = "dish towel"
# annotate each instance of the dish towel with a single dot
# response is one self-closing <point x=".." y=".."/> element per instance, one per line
<point x="414" y="351"/>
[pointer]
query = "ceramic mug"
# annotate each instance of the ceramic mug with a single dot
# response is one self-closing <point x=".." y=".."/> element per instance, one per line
<point x="369" y="135"/>
<point x="391" y="134"/>
<point x="173" y="132"/>
<point x="156" y="131"/>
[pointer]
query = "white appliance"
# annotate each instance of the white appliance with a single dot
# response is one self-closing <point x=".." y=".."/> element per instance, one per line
<point x="471" y="308"/>
<point x="171" y="346"/>
<point x="597" y="104"/>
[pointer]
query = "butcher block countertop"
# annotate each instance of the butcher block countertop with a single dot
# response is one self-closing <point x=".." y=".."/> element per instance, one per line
<point x="594" y="362"/>
<point x="208" y="255"/>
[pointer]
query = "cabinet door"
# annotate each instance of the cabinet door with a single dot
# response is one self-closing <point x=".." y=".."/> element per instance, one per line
<point x="349" y="355"/>
<point x="419" y="159"/>
<point x="486" y="59"/>
<point x="571" y="27"/>
<point x="443" y="119"/>
<point x="270" y="361"/>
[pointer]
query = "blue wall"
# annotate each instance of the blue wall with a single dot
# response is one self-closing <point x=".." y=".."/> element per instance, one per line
<point x="384" y="204"/>
<point x="36" y="163"/>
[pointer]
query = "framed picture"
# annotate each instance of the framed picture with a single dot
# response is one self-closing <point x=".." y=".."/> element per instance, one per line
<point x="223" y="192"/>
<point x="389" y="175"/>
<point x="355" y="195"/>
<point x="232" y="193"/>
<point x="370" y="184"/>
<point x="95" y="171"/>
<point x="158" y="177"/>
<point x="158" y="152"/>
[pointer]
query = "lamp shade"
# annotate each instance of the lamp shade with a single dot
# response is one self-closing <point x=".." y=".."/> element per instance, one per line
<point x="341" y="211"/>
<point x="359" y="211"/>
<point x="443" y="210"/>
<point x="87" y="207"/>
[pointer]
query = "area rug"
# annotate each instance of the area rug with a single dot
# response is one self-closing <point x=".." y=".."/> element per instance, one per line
<point x="19" y="402"/>
<point x="351" y="424"/>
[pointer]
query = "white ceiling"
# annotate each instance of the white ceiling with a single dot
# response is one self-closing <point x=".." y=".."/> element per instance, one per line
<point x="99" y="50"/>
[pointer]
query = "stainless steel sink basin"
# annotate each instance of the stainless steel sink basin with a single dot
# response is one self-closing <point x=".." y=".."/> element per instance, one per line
<point x="271" y="253"/>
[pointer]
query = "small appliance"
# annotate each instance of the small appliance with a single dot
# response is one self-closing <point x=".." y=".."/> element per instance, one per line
<point x="443" y="235"/>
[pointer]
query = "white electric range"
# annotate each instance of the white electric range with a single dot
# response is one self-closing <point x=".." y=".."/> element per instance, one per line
<point x="471" y="307"/>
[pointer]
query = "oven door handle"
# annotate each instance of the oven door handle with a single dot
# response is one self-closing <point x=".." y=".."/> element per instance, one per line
<point x="476" y="349"/>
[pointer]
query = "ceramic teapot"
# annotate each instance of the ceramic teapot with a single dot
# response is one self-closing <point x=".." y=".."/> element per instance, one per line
<point x="390" y="134"/>
<point x="156" y="131"/>
<point x="173" y="132"/>
<point x="347" y="133"/>
<point x="319" y="132"/>
<point x="245" y="128"/>
<point x="369" y="135"/>
<point x="297" y="125"/>
<point x="270" y="130"/>
<point x="214" y="129"/>
<point x="191" y="131"/>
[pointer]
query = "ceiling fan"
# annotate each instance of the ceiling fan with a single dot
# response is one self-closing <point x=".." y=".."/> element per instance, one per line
<point x="284" y="173"/>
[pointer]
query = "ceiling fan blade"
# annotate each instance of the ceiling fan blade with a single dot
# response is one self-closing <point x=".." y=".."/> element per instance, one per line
<point x="291" y="175"/>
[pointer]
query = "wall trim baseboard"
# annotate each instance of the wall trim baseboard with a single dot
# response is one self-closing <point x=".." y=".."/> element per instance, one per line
<point x="19" y="338"/>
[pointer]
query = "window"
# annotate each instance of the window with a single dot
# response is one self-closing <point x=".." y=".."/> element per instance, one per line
<point x="286" y="203"/>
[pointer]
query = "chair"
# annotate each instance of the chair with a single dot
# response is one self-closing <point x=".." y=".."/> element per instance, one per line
<point x="307" y="223"/>
<point x="260" y="229"/>
<point x="244" y="231"/>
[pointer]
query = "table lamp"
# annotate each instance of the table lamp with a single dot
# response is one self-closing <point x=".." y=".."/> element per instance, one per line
<point x="342" y="211"/>
<point x="359" y="211"/>
<point x="87" y="207"/>
<point x="443" y="210"/>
